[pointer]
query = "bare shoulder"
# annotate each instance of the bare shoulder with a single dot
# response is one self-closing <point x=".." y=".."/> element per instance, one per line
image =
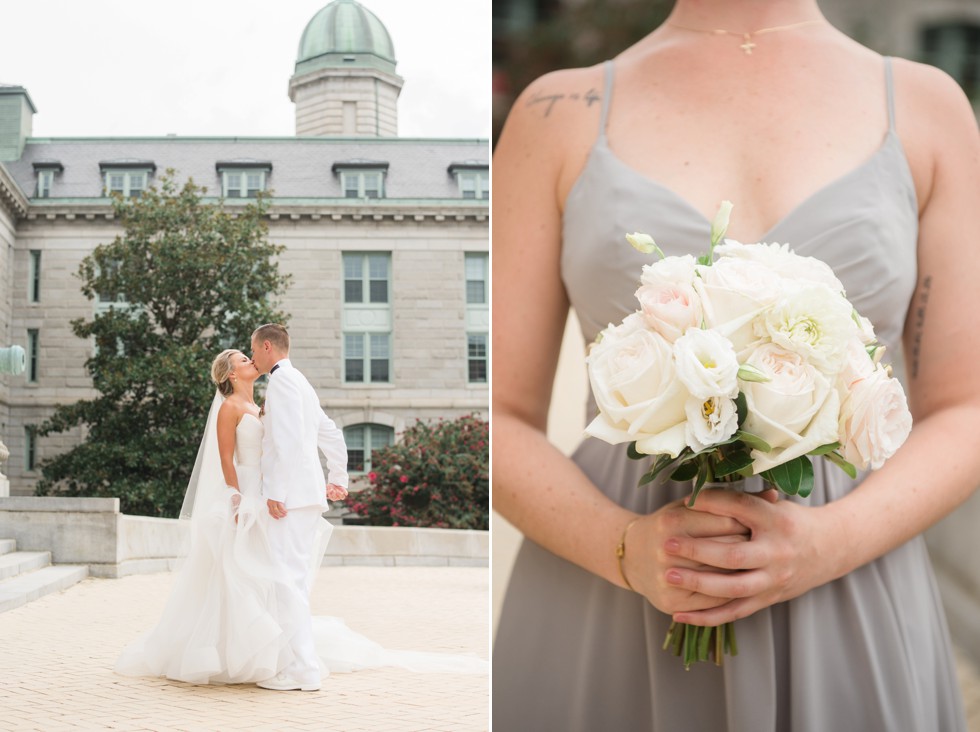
<point x="230" y="411"/>
<point x="552" y="126"/>
<point x="567" y="94"/>
<point x="931" y="95"/>
<point x="935" y="121"/>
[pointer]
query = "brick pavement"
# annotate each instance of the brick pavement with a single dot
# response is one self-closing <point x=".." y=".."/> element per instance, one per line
<point x="58" y="652"/>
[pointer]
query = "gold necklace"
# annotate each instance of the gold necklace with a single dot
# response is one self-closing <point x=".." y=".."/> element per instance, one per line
<point x="747" y="45"/>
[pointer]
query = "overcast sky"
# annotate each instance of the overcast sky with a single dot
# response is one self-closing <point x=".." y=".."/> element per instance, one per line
<point x="222" y="67"/>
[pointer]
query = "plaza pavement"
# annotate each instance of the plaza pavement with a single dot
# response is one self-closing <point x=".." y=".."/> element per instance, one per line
<point x="57" y="654"/>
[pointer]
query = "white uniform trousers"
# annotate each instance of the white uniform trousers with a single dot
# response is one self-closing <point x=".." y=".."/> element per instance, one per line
<point x="292" y="541"/>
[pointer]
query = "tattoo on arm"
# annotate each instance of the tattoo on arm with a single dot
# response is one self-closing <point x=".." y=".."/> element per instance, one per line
<point x="548" y="101"/>
<point x="918" y="322"/>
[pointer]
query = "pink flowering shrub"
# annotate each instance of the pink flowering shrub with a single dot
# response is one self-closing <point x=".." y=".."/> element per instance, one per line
<point x="437" y="475"/>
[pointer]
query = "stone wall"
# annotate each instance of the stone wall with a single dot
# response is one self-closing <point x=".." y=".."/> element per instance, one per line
<point x="92" y="531"/>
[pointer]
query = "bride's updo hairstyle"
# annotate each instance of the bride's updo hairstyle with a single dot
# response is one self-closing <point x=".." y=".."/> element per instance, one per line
<point x="221" y="369"/>
<point x="276" y="334"/>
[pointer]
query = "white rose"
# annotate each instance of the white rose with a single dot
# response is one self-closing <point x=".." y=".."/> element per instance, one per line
<point x="671" y="270"/>
<point x="874" y="420"/>
<point x="796" y="411"/>
<point x="709" y="421"/>
<point x="783" y="261"/>
<point x="636" y="388"/>
<point x="857" y="365"/>
<point x="706" y="364"/>
<point x="815" y="322"/>
<point x="670" y="308"/>
<point x="734" y="292"/>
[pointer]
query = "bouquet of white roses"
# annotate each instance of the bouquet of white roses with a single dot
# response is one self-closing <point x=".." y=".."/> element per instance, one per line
<point x="744" y="361"/>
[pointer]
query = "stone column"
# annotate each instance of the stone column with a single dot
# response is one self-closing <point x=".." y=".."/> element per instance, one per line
<point x="13" y="361"/>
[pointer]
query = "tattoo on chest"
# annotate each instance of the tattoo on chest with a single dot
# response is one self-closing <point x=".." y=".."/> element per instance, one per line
<point x="918" y="322"/>
<point x="548" y="101"/>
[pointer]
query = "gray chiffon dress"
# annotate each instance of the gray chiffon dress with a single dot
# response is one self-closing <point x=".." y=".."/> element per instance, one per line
<point x="868" y="652"/>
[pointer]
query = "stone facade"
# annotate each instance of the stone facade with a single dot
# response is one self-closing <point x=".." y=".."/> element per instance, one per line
<point x="355" y="102"/>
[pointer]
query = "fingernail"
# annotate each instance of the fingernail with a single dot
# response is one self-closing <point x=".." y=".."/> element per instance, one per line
<point x="672" y="545"/>
<point x="673" y="576"/>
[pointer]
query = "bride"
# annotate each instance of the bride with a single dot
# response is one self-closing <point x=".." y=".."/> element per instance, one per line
<point x="219" y="625"/>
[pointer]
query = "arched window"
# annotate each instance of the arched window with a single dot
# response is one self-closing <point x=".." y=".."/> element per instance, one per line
<point x="362" y="440"/>
<point x="955" y="48"/>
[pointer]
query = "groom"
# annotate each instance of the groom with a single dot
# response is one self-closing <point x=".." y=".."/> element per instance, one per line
<point x="292" y="482"/>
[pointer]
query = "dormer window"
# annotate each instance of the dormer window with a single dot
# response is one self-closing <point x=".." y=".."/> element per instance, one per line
<point x="129" y="178"/>
<point x="472" y="179"/>
<point x="362" y="178"/>
<point x="243" y="178"/>
<point x="45" y="171"/>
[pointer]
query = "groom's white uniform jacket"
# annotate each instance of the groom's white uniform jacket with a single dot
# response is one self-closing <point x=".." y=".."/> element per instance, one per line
<point x="295" y="426"/>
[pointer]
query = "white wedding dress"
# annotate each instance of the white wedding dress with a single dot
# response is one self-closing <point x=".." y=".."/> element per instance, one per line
<point x="219" y="624"/>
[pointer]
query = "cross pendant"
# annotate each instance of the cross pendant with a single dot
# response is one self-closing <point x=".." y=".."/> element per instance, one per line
<point x="747" y="45"/>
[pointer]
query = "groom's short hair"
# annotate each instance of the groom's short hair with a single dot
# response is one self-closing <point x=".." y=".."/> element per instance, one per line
<point x="276" y="334"/>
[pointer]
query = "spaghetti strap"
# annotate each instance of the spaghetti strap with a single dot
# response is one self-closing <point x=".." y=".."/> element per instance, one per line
<point x="890" y="93"/>
<point x="606" y="98"/>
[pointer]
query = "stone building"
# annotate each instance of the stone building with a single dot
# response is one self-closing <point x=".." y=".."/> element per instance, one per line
<point x="386" y="242"/>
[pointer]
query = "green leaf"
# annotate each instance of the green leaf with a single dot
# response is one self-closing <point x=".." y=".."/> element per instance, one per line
<point x="838" y="460"/>
<point x="662" y="462"/>
<point x="632" y="452"/>
<point x="741" y="408"/>
<point x="753" y="441"/>
<point x="733" y="463"/>
<point x="699" y="484"/>
<point x="794" y="477"/>
<point x="685" y="471"/>
<point x="824" y="449"/>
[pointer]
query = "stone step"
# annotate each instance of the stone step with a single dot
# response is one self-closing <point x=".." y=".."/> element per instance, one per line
<point x="24" y="588"/>
<point x="7" y="546"/>
<point x="19" y="562"/>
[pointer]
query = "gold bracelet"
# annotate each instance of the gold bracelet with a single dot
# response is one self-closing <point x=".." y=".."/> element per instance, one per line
<point x="621" y="552"/>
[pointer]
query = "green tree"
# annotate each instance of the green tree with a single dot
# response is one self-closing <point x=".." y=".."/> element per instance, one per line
<point x="186" y="279"/>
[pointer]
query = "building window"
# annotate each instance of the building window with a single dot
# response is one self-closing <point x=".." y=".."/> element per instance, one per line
<point x="472" y="179"/>
<point x="244" y="184"/>
<point x="367" y="357"/>
<point x="367" y="317"/>
<point x="108" y="299"/>
<point x="363" y="184"/>
<point x="362" y="178"/>
<point x="34" y="277"/>
<point x="33" y="339"/>
<point x="243" y="180"/>
<point x="477" y="357"/>
<point x="44" y="180"/>
<point x="366" y="278"/>
<point x="45" y="170"/>
<point x="362" y="440"/>
<point x="477" y="271"/>
<point x="955" y="48"/>
<point x="128" y="183"/>
<point x="30" y="449"/>
<point x="476" y="278"/>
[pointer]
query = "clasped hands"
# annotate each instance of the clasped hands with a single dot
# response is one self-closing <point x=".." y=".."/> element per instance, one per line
<point x="730" y="555"/>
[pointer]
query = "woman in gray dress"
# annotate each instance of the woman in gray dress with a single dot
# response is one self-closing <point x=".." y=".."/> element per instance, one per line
<point x="870" y="164"/>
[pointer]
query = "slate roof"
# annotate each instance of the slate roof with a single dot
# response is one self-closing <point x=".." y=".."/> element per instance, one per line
<point x="302" y="167"/>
